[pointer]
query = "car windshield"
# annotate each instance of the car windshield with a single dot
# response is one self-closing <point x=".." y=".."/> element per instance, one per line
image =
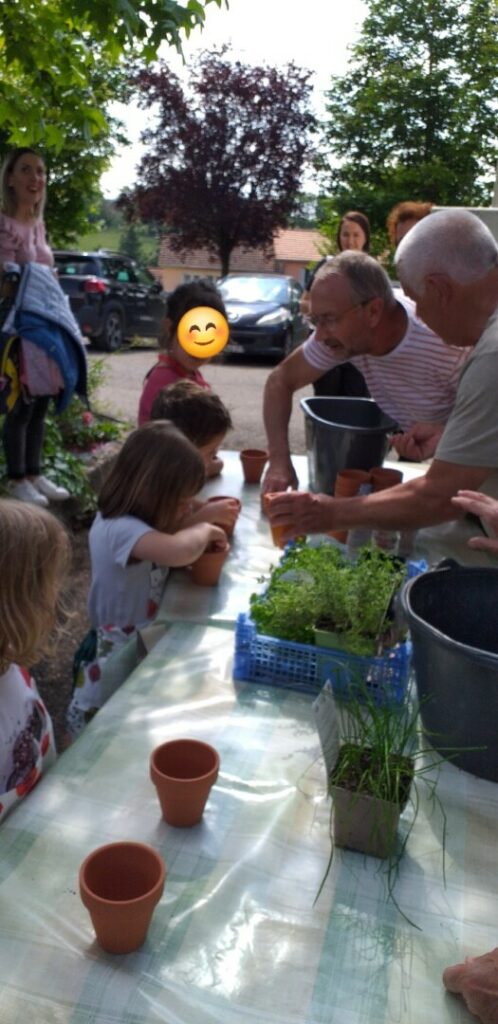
<point x="254" y="289"/>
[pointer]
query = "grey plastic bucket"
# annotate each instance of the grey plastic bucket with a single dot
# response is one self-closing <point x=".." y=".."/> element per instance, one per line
<point x="452" y="613"/>
<point x="343" y="433"/>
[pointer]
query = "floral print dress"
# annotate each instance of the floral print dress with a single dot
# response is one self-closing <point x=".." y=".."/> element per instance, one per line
<point x="27" y="745"/>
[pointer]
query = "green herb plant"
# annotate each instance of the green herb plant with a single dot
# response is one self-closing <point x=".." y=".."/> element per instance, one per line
<point x="383" y="755"/>
<point x="318" y="585"/>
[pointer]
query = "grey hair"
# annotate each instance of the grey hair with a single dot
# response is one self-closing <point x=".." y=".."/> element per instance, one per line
<point x="451" y="242"/>
<point x="366" y="278"/>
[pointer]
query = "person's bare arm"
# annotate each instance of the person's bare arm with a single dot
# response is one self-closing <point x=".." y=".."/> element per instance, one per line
<point x="425" y="501"/>
<point x="181" y="548"/>
<point x="290" y="375"/>
<point x="476" y="981"/>
<point x="221" y="512"/>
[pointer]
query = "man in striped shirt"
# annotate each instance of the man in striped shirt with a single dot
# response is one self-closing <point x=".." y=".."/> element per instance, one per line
<point x="447" y="263"/>
<point x="409" y="371"/>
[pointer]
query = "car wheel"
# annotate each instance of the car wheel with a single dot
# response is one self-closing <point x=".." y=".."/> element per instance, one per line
<point x="111" y="336"/>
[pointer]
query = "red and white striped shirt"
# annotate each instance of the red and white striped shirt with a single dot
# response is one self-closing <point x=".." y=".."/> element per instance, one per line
<point x="415" y="382"/>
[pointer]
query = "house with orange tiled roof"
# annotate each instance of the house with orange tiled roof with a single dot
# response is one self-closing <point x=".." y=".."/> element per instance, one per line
<point x="293" y="249"/>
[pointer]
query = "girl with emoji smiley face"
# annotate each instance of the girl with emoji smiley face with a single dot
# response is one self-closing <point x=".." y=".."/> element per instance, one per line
<point x="178" y="359"/>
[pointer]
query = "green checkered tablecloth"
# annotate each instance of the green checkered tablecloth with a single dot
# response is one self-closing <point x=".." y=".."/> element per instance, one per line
<point x="237" y="937"/>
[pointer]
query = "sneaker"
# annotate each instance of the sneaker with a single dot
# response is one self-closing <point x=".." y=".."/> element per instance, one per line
<point x="23" y="490"/>
<point x="50" y="490"/>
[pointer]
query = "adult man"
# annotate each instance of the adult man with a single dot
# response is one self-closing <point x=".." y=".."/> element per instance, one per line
<point x="411" y="374"/>
<point x="448" y="263"/>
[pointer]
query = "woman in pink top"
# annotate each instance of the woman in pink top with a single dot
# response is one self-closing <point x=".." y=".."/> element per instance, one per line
<point x="174" y="363"/>
<point x="22" y="240"/>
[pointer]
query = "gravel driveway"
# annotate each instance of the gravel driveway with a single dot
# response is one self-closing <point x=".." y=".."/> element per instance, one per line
<point x="239" y="383"/>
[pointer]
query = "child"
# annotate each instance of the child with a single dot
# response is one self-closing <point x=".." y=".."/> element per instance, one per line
<point x="175" y="363"/>
<point x="136" y="535"/>
<point x="34" y="555"/>
<point x="199" y="414"/>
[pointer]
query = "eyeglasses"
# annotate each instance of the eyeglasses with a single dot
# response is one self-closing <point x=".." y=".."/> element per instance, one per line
<point x="329" y="320"/>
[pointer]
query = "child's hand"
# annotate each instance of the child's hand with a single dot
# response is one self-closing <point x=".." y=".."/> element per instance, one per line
<point x="217" y="539"/>
<point x="223" y="512"/>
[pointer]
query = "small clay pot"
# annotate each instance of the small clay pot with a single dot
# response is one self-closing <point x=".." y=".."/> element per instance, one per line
<point x="347" y="484"/>
<point x="276" y="531"/>
<point x="382" y="478"/>
<point x="183" y="772"/>
<point x="206" y="571"/>
<point x="120" y="885"/>
<point x="225" y="497"/>
<point x="253" y="463"/>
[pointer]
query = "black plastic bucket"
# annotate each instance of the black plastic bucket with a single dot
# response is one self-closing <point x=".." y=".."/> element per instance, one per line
<point x="453" y="617"/>
<point x="343" y="433"/>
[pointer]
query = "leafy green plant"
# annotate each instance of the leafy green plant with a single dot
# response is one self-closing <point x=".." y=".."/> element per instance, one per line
<point x="319" y="585"/>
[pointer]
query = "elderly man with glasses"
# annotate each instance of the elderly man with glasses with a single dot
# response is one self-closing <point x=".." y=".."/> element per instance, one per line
<point x="448" y="264"/>
<point x="357" y="317"/>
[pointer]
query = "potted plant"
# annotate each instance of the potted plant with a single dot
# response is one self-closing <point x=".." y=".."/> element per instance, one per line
<point x="354" y="603"/>
<point x="316" y="595"/>
<point x="378" y="769"/>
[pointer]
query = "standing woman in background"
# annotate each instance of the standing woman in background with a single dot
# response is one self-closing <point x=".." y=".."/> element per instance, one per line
<point x="345" y="380"/>
<point x="22" y="240"/>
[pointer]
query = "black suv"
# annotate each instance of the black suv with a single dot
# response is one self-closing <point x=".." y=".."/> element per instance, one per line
<point x="111" y="297"/>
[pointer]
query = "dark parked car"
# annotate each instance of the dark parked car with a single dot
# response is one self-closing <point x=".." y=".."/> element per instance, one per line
<point x="263" y="313"/>
<point x="111" y="297"/>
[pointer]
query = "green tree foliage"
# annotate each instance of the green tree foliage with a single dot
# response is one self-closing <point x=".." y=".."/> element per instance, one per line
<point x="225" y="154"/>
<point x="415" y="116"/>
<point x="61" y="63"/>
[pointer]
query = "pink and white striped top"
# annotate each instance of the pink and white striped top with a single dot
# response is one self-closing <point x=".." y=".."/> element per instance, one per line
<point x="415" y="382"/>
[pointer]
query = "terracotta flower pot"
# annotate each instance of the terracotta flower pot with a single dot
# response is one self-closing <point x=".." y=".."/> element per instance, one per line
<point x="382" y="478"/>
<point x="253" y="463"/>
<point x="348" y="484"/>
<point x="120" y="885"/>
<point x="224" y="497"/>
<point x="183" y="772"/>
<point x="206" y="571"/>
<point x="276" y="531"/>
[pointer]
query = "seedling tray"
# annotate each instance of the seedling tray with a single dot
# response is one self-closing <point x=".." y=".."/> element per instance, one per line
<point x="305" y="668"/>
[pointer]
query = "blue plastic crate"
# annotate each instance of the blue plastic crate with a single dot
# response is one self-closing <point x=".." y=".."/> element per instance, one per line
<point x="304" y="667"/>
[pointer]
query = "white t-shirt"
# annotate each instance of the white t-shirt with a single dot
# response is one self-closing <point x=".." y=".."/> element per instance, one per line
<point x="121" y="594"/>
<point x="27" y="745"/>
<point x="415" y="382"/>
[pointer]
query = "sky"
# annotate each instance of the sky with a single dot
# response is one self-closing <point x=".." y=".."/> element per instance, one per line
<point x="270" y="31"/>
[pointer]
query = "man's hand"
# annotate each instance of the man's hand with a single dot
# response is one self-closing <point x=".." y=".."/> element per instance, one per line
<point x="301" y="512"/>
<point x="279" y="476"/>
<point x="418" y="443"/>
<point x="487" y="509"/>
<point x="476" y="981"/>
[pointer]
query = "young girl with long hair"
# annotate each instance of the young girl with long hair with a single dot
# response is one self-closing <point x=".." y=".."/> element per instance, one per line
<point x="34" y="557"/>
<point x="136" y="536"/>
